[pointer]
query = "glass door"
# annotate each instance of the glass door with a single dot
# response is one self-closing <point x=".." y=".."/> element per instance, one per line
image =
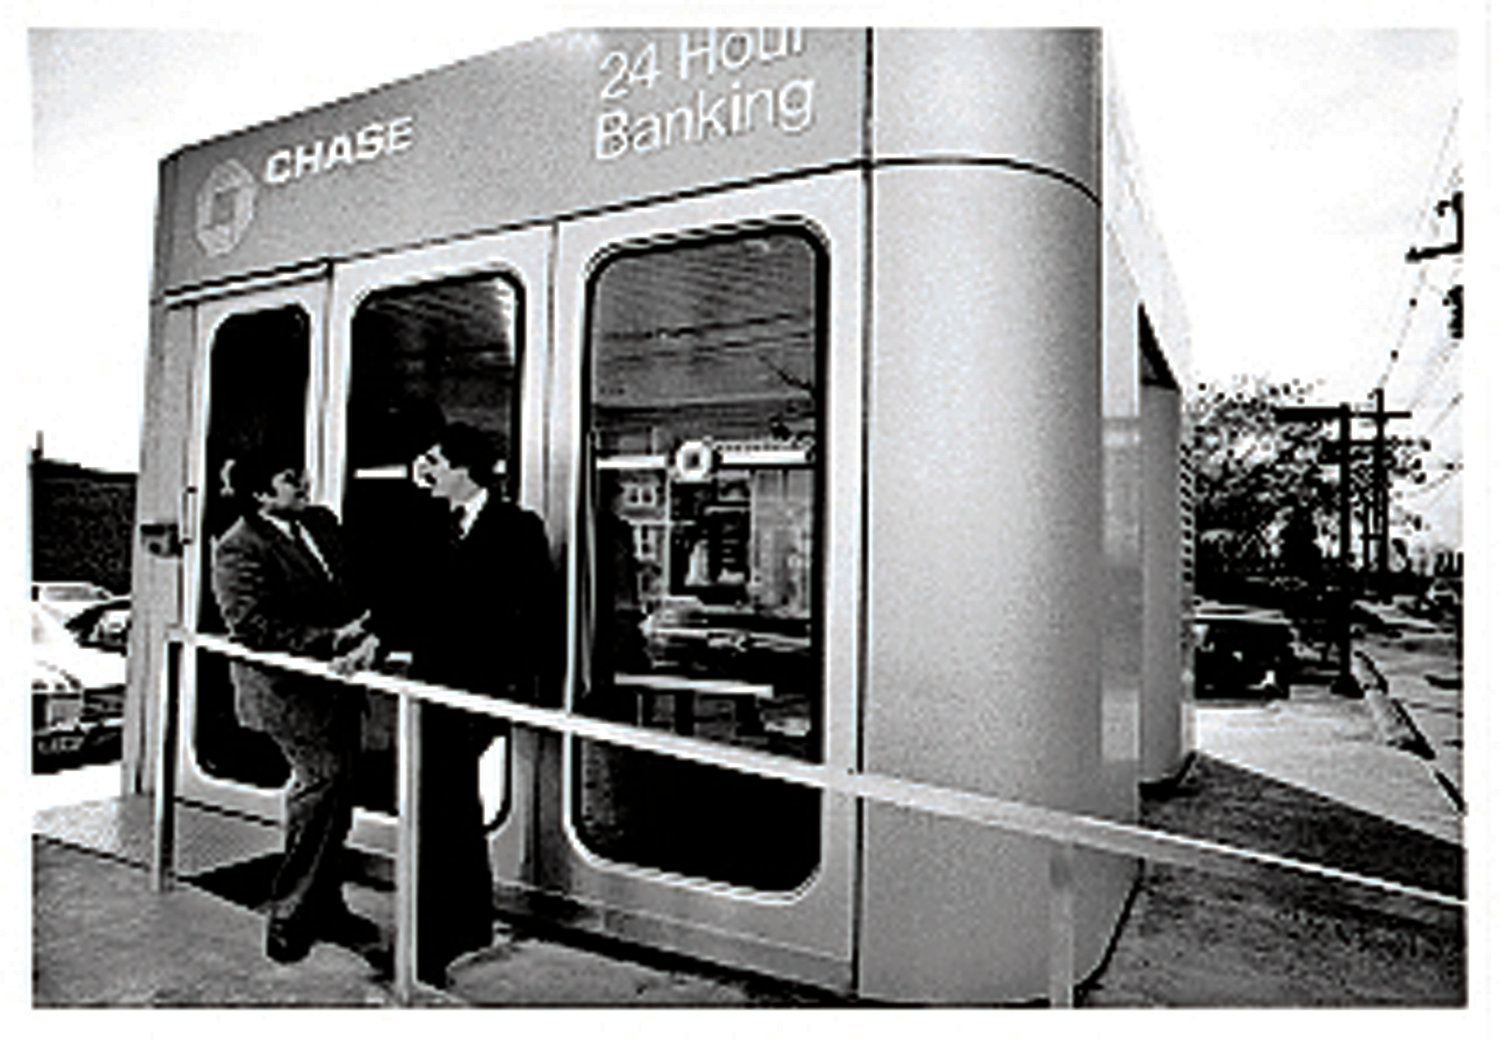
<point x="420" y="340"/>
<point x="257" y="377"/>
<point x="703" y="570"/>
<point x="706" y="445"/>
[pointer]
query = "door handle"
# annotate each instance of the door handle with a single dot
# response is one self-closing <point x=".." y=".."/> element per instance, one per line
<point x="187" y="515"/>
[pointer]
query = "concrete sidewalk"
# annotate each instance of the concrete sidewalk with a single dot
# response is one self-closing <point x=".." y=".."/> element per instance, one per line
<point x="101" y="937"/>
<point x="1321" y="778"/>
<point x="1418" y="679"/>
<point x="1311" y="777"/>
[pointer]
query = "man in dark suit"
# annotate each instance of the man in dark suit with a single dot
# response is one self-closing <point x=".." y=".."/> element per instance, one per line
<point x="278" y="577"/>
<point x="480" y="626"/>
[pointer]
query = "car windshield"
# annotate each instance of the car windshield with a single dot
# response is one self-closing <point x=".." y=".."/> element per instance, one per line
<point x="105" y="625"/>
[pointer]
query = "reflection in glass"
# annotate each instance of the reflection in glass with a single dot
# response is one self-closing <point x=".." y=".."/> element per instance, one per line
<point x="703" y="578"/>
<point x="422" y="355"/>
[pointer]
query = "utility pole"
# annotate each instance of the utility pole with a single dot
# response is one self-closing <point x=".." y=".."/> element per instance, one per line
<point x="1367" y="526"/>
<point x="1417" y="254"/>
<point x="1345" y="682"/>
<point x="1453" y="299"/>
<point x="1381" y="500"/>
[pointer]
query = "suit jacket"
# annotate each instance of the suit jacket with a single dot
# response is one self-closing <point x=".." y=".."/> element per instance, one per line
<point x="275" y="596"/>
<point x="484" y="620"/>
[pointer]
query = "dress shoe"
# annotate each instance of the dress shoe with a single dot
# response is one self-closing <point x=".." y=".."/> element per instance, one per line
<point x="436" y="962"/>
<point x="286" y="942"/>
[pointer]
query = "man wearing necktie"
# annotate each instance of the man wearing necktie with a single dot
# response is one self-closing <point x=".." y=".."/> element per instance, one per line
<point x="278" y="577"/>
<point x="479" y="625"/>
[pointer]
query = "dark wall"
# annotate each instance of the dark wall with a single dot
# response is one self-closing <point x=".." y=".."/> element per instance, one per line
<point x="81" y="522"/>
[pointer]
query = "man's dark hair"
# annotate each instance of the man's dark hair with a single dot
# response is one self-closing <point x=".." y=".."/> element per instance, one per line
<point x="471" y="449"/>
<point x="251" y="473"/>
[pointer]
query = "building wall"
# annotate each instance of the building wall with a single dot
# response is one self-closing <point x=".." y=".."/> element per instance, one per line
<point x="80" y="524"/>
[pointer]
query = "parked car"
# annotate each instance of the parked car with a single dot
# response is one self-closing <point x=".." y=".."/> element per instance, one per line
<point x="1443" y="598"/>
<point x="1241" y="652"/>
<point x="65" y="599"/>
<point x="104" y="625"/>
<point x="687" y="635"/>
<point x="77" y="692"/>
<point x="56" y="713"/>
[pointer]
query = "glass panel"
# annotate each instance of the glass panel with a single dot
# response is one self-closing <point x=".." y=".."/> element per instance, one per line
<point x="257" y="398"/>
<point x="423" y="356"/>
<point x="703" y="579"/>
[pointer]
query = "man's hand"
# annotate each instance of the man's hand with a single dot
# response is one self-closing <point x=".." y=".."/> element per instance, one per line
<point x="361" y="657"/>
<point x="350" y="634"/>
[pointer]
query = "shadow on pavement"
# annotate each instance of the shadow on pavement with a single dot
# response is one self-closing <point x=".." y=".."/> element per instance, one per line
<point x="1278" y="940"/>
<point x="1230" y="804"/>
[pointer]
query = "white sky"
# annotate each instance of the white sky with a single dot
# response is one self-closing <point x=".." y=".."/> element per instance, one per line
<point x="1290" y="160"/>
<point x="1288" y="168"/>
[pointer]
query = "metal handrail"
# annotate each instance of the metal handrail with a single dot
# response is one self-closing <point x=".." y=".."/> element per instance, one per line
<point x="1067" y="831"/>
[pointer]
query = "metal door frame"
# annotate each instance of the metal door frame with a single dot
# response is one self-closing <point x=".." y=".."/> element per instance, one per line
<point x="209" y="315"/>
<point x="807" y="933"/>
<point x="525" y="255"/>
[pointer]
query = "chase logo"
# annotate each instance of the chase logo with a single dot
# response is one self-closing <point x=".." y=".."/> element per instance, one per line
<point x="226" y="205"/>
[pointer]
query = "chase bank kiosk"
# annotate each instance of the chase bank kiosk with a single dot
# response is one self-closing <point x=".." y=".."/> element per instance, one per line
<point x="844" y="368"/>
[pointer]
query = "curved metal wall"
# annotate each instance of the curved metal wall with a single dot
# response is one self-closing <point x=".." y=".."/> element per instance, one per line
<point x="1165" y="706"/>
<point x="1025" y="95"/>
<point x="1121" y="651"/>
<point x="986" y="563"/>
<point x="511" y="137"/>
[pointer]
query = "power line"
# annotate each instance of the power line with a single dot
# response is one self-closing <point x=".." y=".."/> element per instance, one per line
<point x="1443" y="350"/>
<point x="1442" y="156"/>
<point x="1445" y="413"/>
<point x="1411" y="307"/>
<point x="1451" y="469"/>
<point x="1443" y="346"/>
<point x="1423" y="221"/>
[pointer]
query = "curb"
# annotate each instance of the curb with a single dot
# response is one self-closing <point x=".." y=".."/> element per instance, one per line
<point x="1396" y="726"/>
<point x="1391" y="719"/>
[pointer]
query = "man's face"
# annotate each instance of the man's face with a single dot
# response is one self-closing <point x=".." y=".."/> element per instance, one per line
<point x="288" y="493"/>
<point x="440" y="478"/>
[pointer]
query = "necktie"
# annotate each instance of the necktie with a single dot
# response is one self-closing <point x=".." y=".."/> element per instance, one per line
<point x="300" y="532"/>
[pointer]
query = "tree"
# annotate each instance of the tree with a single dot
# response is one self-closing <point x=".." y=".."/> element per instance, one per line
<point x="1253" y="475"/>
<point x="1266" y="496"/>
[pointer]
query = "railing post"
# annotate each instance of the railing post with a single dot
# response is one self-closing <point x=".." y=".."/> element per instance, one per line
<point x="1061" y="879"/>
<point x="164" y="806"/>
<point x="408" y="821"/>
